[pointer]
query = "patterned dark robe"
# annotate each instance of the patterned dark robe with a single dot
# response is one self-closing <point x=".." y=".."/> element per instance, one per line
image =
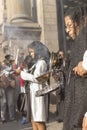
<point x="76" y="90"/>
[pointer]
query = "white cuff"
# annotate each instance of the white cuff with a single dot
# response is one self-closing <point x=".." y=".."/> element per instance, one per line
<point x="85" y="114"/>
<point x="84" y="63"/>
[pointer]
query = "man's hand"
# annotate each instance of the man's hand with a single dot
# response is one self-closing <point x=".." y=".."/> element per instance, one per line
<point x="18" y="71"/>
<point x="79" y="70"/>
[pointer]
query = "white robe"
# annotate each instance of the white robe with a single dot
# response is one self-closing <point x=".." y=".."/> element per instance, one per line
<point x="38" y="105"/>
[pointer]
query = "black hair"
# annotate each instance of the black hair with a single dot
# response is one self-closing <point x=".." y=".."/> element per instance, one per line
<point x="28" y="61"/>
<point x="78" y="15"/>
<point x="41" y="51"/>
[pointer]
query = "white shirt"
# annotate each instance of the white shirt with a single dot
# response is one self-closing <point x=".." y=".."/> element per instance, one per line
<point x="84" y="64"/>
<point x="38" y="104"/>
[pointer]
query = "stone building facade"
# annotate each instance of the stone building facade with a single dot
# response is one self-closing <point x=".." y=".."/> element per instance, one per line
<point x="22" y="22"/>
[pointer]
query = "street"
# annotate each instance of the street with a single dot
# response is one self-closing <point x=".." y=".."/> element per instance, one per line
<point x="52" y="124"/>
<point x="16" y="125"/>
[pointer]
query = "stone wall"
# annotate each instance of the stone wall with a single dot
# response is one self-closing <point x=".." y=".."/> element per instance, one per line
<point x="1" y="11"/>
<point x="50" y="24"/>
<point x="19" y="23"/>
<point x="48" y="21"/>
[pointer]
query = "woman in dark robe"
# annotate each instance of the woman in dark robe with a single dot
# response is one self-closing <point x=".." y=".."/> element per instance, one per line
<point x="76" y="89"/>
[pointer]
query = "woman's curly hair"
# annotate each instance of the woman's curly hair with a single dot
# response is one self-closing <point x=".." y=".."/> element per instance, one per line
<point x="78" y="15"/>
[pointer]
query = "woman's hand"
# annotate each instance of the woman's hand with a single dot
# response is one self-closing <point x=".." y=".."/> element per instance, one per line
<point x="75" y="69"/>
<point x="84" y="123"/>
<point x="79" y="70"/>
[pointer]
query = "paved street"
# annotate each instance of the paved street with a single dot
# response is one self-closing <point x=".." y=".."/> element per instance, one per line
<point x="52" y="124"/>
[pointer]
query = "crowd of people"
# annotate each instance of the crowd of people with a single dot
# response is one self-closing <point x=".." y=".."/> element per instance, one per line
<point x="36" y="64"/>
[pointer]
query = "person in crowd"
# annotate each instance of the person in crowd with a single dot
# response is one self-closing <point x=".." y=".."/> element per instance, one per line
<point x="23" y="94"/>
<point x="61" y="91"/>
<point x="22" y="102"/>
<point x="10" y="95"/>
<point x="38" y="104"/>
<point x="10" y="89"/>
<point x="76" y="88"/>
<point x="2" y="97"/>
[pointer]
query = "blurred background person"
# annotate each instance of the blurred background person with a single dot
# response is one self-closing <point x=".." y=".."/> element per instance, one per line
<point x="10" y="89"/>
<point x="23" y="98"/>
<point x="2" y="96"/>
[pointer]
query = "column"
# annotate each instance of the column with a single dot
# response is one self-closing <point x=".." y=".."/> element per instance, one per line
<point x="18" y="10"/>
<point x="1" y="11"/>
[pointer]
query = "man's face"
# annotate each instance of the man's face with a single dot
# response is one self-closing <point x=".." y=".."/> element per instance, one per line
<point x="70" y="27"/>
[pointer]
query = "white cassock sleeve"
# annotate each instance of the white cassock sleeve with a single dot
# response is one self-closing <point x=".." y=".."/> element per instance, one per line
<point x="27" y="76"/>
<point x="84" y="63"/>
